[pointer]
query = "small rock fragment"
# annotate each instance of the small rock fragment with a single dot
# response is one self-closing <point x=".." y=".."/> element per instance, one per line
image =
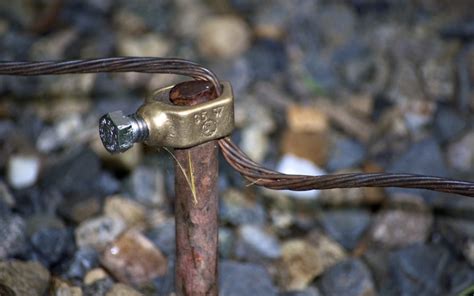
<point x="330" y="252"/>
<point x="78" y="209"/>
<point x="50" y="243"/>
<point x="226" y="242"/>
<point x="24" y="278"/>
<point x="98" y="232"/>
<point x="164" y="237"/>
<point x="399" y="227"/>
<point x="62" y="288"/>
<point x="345" y="153"/>
<point x="460" y="234"/>
<point x="448" y="124"/>
<point x="13" y="235"/>
<point x="300" y="265"/>
<point x="461" y="153"/>
<point x="238" y="279"/>
<point x="255" y="143"/>
<point x="304" y="260"/>
<point x="306" y="119"/>
<point x="146" y="185"/>
<point x="223" y="37"/>
<point x="83" y="260"/>
<point x="95" y="275"/>
<point x="346" y="226"/>
<point x="60" y="134"/>
<point x="255" y="243"/>
<point x="99" y="288"/>
<point x="420" y="269"/>
<point x="133" y="259"/>
<point x="6" y="196"/>
<point x="238" y="209"/>
<point x="148" y="45"/>
<point x="23" y="171"/>
<point x="350" y="277"/>
<point x="122" y="290"/>
<point x="131" y="212"/>
<point x="312" y="146"/>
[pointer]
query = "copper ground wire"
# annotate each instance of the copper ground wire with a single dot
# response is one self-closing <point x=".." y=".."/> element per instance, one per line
<point x="249" y="169"/>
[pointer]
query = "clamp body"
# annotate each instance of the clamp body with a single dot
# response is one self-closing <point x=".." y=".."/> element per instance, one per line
<point x="159" y="123"/>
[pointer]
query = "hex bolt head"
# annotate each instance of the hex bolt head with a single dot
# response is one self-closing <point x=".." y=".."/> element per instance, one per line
<point x="119" y="132"/>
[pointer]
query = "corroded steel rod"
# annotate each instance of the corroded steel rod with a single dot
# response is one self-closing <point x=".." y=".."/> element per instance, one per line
<point x="196" y="203"/>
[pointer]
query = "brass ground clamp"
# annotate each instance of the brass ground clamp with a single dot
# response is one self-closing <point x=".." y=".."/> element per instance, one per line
<point x="159" y="123"/>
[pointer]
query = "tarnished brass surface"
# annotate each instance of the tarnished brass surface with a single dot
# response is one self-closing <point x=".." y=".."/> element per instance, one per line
<point x="187" y="126"/>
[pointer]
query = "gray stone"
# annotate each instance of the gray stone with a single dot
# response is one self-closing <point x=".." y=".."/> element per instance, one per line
<point x="98" y="288"/>
<point x="244" y="279"/>
<point x="345" y="153"/>
<point x="164" y="285"/>
<point x="13" y="234"/>
<point x="424" y="157"/>
<point x="254" y="244"/>
<point x="146" y="12"/>
<point x="237" y="209"/>
<point x="460" y="233"/>
<point x="448" y="123"/>
<point x="460" y="154"/>
<point x="164" y="237"/>
<point x="377" y="259"/>
<point x="419" y="269"/>
<point x="76" y="172"/>
<point x="24" y="278"/>
<point x="346" y="226"/>
<point x="146" y="185"/>
<point x="337" y="24"/>
<point x="268" y="59"/>
<point x="49" y="239"/>
<point x="83" y="260"/>
<point x="226" y="242"/>
<point x="61" y="133"/>
<point x="98" y="232"/>
<point x="397" y="227"/>
<point x="350" y="277"/>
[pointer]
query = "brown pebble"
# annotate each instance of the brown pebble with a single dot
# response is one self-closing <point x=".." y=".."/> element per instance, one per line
<point x="133" y="259"/>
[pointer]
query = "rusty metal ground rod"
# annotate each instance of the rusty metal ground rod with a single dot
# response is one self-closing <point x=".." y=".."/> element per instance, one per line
<point x="196" y="203"/>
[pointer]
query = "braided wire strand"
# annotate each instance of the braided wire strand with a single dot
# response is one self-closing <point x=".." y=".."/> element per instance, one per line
<point x="279" y="181"/>
<point x="249" y="169"/>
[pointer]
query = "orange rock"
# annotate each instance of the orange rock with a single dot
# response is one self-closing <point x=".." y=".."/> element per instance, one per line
<point x="306" y="119"/>
<point x="133" y="259"/>
<point x="309" y="145"/>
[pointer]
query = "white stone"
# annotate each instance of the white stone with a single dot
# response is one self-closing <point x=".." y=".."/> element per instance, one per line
<point x="23" y="171"/>
<point x="290" y="164"/>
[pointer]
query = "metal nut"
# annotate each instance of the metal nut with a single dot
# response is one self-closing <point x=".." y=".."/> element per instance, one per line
<point x="119" y="132"/>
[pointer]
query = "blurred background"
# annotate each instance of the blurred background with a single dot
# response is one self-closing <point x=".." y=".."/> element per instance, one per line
<point x="320" y="87"/>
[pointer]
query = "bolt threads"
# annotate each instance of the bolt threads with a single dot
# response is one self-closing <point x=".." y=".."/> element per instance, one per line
<point x="139" y="127"/>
